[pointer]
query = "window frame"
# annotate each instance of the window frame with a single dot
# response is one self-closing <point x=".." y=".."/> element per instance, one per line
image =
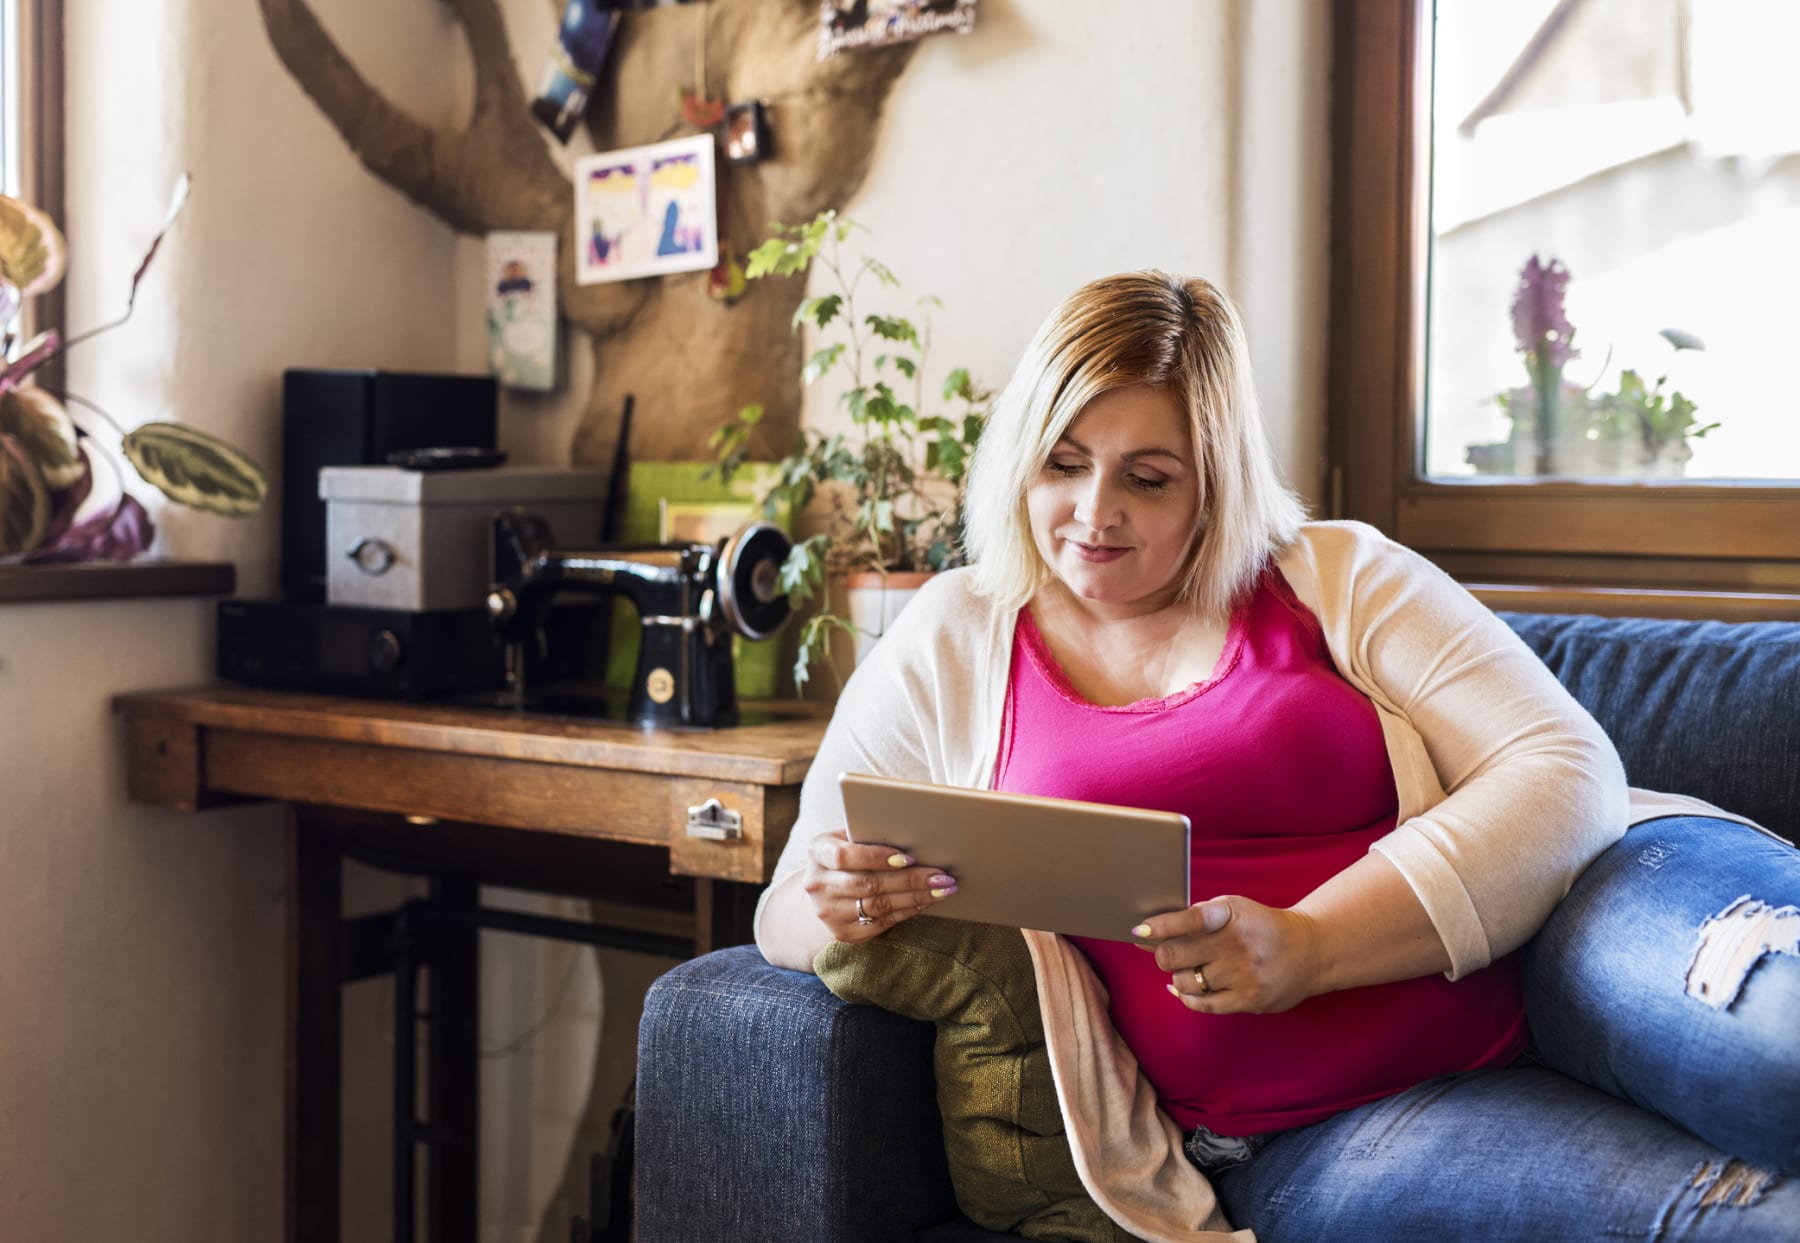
<point x="1683" y="549"/>
<point x="41" y="135"/>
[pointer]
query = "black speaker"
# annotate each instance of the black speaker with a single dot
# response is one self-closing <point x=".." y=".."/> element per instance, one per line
<point x="357" y="418"/>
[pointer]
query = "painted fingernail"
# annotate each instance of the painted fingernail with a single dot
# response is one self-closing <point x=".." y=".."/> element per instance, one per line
<point x="899" y="861"/>
<point x="941" y="879"/>
<point x="1173" y="991"/>
<point x="1143" y="930"/>
<point x="944" y="892"/>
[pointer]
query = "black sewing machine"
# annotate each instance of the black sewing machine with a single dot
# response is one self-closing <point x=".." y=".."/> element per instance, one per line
<point x="690" y="598"/>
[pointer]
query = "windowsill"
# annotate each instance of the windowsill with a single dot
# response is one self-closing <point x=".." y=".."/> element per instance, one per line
<point x="1733" y="606"/>
<point x="31" y="584"/>
<point x="111" y="580"/>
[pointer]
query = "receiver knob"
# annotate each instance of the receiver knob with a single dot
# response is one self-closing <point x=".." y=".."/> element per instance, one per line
<point x="385" y="651"/>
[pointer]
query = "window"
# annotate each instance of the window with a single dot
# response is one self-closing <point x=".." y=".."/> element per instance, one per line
<point x="31" y="131"/>
<point x="31" y="165"/>
<point x="10" y="64"/>
<point x="1644" y="154"/>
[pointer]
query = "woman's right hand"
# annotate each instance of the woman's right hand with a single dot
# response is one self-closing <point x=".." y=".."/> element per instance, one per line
<point x="860" y="890"/>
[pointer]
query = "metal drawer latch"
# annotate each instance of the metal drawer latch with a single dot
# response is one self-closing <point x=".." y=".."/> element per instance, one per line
<point x="715" y="822"/>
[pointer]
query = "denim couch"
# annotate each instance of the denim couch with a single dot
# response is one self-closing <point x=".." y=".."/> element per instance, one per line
<point x="768" y="1110"/>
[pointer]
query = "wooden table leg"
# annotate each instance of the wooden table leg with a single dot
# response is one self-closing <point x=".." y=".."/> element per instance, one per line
<point x="724" y="914"/>
<point x="312" y="1104"/>
<point x="454" y="1068"/>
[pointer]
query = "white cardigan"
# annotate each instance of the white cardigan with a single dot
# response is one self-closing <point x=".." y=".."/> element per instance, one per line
<point x="1507" y="790"/>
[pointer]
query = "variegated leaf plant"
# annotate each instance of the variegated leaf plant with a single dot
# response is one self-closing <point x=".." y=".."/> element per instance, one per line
<point x="47" y="512"/>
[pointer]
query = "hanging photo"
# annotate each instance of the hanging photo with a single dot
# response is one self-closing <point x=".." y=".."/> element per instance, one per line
<point x="573" y="65"/>
<point x="746" y="132"/>
<point x="871" y="23"/>
<point x="521" y="309"/>
<point x="646" y="211"/>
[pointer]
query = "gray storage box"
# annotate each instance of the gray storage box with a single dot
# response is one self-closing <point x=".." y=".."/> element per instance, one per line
<point x="418" y="540"/>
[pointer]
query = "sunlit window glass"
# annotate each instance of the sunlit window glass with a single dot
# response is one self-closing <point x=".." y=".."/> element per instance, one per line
<point x="1615" y="241"/>
<point x="10" y="173"/>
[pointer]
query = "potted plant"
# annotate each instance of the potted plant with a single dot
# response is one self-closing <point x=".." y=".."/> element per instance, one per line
<point x="1561" y="428"/>
<point x="893" y="484"/>
<point x="49" y="511"/>
<point x="1651" y="427"/>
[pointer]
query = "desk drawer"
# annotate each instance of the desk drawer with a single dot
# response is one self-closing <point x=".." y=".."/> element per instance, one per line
<point x="766" y="814"/>
<point x="611" y="804"/>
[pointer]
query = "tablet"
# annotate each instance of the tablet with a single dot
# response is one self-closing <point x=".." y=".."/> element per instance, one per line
<point x="1083" y="869"/>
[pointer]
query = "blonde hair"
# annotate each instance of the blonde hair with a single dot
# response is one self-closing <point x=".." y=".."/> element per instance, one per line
<point x="1140" y="329"/>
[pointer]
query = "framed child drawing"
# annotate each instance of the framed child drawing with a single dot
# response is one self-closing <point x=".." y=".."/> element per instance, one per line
<point x="646" y="211"/>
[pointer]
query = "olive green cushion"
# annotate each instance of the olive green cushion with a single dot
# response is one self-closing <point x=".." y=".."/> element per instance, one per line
<point x="1003" y="1133"/>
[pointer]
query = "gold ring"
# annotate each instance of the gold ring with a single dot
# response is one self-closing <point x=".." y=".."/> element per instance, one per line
<point x="862" y="916"/>
<point x="1200" y="979"/>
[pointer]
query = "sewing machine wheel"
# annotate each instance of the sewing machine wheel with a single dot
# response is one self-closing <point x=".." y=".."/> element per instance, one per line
<point x="749" y="577"/>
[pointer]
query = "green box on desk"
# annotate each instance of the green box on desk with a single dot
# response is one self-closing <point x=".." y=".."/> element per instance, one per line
<point x="686" y="501"/>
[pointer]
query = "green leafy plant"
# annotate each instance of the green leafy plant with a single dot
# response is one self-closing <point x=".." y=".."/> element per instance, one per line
<point x="894" y="483"/>
<point x="1644" y="414"/>
<point x="46" y="469"/>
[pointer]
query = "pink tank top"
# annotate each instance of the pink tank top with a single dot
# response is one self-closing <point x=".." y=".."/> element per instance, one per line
<point x="1280" y="766"/>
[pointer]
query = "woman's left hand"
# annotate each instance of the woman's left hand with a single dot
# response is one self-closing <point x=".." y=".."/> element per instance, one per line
<point x="1230" y="955"/>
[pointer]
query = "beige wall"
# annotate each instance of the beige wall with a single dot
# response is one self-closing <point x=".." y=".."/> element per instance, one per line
<point x="1068" y="141"/>
<point x="140" y="951"/>
<point x="140" y="987"/>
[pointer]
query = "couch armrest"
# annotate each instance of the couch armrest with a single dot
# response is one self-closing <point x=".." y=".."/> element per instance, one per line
<point x="767" y="1109"/>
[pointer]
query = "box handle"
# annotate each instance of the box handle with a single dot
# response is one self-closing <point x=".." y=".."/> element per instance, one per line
<point x="374" y="556"/>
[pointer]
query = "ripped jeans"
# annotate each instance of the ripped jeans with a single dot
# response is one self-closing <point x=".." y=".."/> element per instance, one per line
<point x="1661" y="1100"/>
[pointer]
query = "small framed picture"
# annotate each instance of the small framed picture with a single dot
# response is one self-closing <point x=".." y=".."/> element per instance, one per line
<point x="844" y="26"/>
<point x="701" y="522"/>
<point x="646" y="211"/>
<point x="746" y="132"/>
<point x="521" y="309"/>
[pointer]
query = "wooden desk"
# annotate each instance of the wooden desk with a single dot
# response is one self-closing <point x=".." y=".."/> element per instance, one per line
<point x="466" y="797"/>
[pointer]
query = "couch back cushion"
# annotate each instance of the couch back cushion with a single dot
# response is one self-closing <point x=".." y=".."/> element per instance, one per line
<point x="1706" y="708"/>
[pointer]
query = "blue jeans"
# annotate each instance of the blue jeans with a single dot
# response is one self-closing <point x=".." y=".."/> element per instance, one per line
<point x="1661" y="1100"/>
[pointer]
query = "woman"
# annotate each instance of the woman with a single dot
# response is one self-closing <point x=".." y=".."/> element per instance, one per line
<point x="1390" y="795"/>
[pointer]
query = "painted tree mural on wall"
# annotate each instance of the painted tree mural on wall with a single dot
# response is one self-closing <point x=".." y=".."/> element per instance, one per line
<point x="690" y="360"/>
